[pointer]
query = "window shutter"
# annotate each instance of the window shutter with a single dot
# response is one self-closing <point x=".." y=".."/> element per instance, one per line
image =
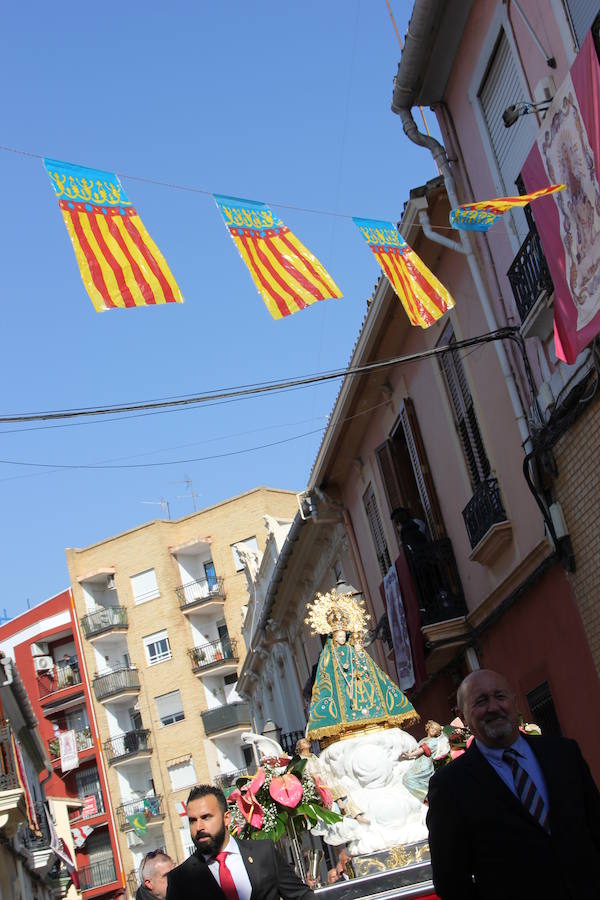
<point x="582" y="14"/>
<point x="144" y="586"/>
<point x="389" y="475"/>
<point x="374" y="519"/>
<point x="422" y="472"/>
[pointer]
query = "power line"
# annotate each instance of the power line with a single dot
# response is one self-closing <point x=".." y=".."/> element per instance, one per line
<point x="257" y="389"/>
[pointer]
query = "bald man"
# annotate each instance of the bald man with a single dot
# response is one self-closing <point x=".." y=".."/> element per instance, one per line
<point x="516" y="816"/>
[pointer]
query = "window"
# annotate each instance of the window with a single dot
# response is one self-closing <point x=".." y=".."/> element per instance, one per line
<point x="144" y="586"/>
<point x="374" y="519"/>
<point x="465" y="417"/>
<point x="581" y="16"/>
<point x="186" y="841"/>
<point x="182" y="774"/>
<point x="249" y="543"/>
<point x="87" y="783"/>
<point x="210" y="574"/>
<point x="158" y="648"/>
<point x="543" y="711"/>
<point x="169" y="708"/>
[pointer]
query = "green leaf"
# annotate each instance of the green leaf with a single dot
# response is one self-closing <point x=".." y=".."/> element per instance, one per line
<point x="326" y="815"/>
<point x="306" y="810"/>
<point x="297" y="765"/>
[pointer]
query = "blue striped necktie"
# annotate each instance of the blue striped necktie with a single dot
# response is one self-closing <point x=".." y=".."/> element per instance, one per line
<point x="526" y="790"/>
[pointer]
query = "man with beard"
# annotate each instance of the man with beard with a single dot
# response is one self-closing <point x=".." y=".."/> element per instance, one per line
<point x="516" y="815"/>
<point x="227" y="868"/>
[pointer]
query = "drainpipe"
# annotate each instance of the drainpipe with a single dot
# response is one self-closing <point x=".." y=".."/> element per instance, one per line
<point x="418" y="35"/>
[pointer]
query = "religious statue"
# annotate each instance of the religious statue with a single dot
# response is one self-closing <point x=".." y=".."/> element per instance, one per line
<point x="317" y="768"/>
<point x="358" y="714"/>
<point x="434" y="746"/>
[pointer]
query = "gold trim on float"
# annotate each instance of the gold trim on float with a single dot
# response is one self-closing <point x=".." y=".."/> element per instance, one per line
<point x="331" y="733"/>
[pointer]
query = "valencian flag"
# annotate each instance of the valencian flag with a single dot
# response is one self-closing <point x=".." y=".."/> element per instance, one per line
<point x="424" y="298"/>
<point x="480" y="216"/>
<point x="119" y="262"/>
<point x="568" y="149"/>
<point x="287" y="275"/>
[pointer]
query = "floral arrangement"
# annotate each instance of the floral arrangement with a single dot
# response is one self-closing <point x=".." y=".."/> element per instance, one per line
<point x="280" y="797"/>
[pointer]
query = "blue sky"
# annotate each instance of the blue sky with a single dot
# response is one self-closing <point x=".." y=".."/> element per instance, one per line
<point x="280" y="102"/>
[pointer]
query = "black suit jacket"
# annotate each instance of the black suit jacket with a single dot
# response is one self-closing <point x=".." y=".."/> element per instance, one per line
<point x="485" y="845"/>
<point x="270" y="876"/>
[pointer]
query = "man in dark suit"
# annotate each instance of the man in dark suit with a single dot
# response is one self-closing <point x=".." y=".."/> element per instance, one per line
<point x="516" y="816"/>
<point x="227" y="868"/>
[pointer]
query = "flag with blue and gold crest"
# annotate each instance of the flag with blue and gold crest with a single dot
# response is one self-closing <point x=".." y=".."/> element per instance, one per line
<point x="424" y="298"/>
<point x="288" y="277"/>
<point x="480" y="216"/>
<point x="120" y="264"/>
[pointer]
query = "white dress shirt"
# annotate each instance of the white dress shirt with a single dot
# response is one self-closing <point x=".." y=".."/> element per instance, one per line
<point x="235" y="863"/>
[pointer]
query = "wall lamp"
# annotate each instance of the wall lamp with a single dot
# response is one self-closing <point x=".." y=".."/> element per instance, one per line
<point x="514" y="112"/>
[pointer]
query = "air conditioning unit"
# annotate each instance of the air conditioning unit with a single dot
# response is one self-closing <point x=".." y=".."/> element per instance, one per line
<point x="43" y="664"/>
<point x="40" y="649"/>
<point x="110" y="583"/>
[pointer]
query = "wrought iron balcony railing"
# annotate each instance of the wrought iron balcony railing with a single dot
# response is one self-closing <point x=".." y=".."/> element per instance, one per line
<point x="62" y="677"/>
<point x="97" y="874"/>
<point x="110" y="618"/>
<point x="120" y="681"/>
<point x="437" y="582"/>
<point x="9" y="780"/>
<point x="289" y="739"/>
<point x="29" y="838"/>
<point x="529" y="274"/>
<point x="129" y="744"/>
<point x="213" y="653"/>
<point x="89" y="809"/>
<point x="228" y="779"/>
<point x="151" y="808"/>
<point x="484" y="509"/>
<point x="194" y="593"/>
<point x="83" y="741"/>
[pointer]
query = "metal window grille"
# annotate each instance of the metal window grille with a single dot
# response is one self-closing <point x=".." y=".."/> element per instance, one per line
<point x="543" y="710"/>
<point x="465" y="417"/>
<point x="374" y="519"/>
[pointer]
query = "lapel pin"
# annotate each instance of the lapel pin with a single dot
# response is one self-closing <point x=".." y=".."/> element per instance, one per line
<point x="250" y="860"/>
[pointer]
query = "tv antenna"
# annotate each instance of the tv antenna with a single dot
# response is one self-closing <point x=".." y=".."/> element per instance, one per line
<point x="192" y="493"/>
<point x="164" y="505"/>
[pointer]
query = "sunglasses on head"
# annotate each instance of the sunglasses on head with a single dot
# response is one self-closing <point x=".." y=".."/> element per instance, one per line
<point x="150" y="855"/>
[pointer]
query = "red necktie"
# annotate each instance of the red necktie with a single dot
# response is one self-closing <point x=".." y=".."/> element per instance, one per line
<point x="226" y="878"/>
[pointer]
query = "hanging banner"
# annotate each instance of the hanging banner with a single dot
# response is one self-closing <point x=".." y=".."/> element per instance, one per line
<point x="81" y="834"/>
<point x="120" y="264"/>
<point x="480" y="216"/>
<point x="32" y="818"/>
<point x="287" y="275"/>
<point x="568" y="149"/>
<point x="69" y="755"/>
<point x="139" y="823"/>
<point x="399" y="630"/>
<point x="424" y="298"/>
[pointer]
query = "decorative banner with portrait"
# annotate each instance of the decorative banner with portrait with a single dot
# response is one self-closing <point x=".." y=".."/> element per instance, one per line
<point x="287" y="275"/>
<point x="424" y="298"/>
<point x="568" y="150"/>
<point x="120" y="264"/>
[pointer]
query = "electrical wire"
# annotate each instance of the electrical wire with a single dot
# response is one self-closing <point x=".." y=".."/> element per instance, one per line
<point x="266" y="387"/>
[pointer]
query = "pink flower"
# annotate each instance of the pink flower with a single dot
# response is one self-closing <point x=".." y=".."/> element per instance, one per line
<point x="249" y="807"/>
<point x="323" y="792"/>
<point x="257" y="782"/>
<point x="286" y="789"/>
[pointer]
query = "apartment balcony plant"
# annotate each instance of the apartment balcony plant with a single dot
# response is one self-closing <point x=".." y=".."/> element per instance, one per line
<point x="117" y="683"/>
<point x="486" y="522"/>
<point x="125" y="747"/>
<point x="201" y="593"/>
<point x="228" y="719"/>
<point x="151" y="808"/>
<point x="106" y="620"/>
<point x="217" y="656"/>
<point x="83" y="742"/>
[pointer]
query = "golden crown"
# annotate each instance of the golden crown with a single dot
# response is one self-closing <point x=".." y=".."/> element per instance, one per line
<point x="335" y="612"/>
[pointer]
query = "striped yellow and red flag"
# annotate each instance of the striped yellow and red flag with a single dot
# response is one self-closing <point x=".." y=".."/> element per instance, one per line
<point x="120" y="264"/>
<point x="288" y="277"/>
<point x="481" y="215"/>
<point x="424" y="298"/>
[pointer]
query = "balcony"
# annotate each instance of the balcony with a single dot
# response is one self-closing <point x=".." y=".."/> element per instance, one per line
<point x="201" y="594"/>
<point x="228" y="779"/>
<point x="97" y="874"/>
<point x="529" y="276"/>
<point x="227" y="719"/>
<point x="151" y="808"/>
<point x="437" y="582"/>
<point x="83" y="742"/>
<point x="128" y="746"/>
<point x="12" y="796"/>
<point x="37" y="846"/>
<point x="104" y="621"/>
<point x="289" y="739"/>
<point x="62" y="678"/>
<point x="92" y="805"/>
<point x="218" y="656"/>
<point x="485" y="520"/>
<point x="120" y="683"/>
